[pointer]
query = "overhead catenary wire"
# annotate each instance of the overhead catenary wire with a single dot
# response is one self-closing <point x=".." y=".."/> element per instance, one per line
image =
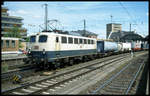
<point x="130" y="16"/>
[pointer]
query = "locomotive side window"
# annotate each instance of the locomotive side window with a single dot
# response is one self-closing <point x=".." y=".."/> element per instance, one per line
<point x="42" y="38"/>
<point x="70" y="40"/>
<point x="88" y="41"/>
<point x="7" y="43"/>
<point x="57" y="39"/>
<point x="85" y="41"/>
<point x="13" y="43"/>
<point x="92" y="42"/>
<point x="32" y="38"/>
<point x="75" y="40"/>
<point x="80" y="41"/>
<point x="63" y="40"/>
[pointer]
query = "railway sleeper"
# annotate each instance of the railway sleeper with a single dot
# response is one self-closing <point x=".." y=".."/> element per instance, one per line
<point x="117" y="87"/>
<point x="120" y="85"/>
<point x="114" y="91"/>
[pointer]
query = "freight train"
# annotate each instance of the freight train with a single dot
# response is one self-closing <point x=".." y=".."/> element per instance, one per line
<point x="49" y="49"/>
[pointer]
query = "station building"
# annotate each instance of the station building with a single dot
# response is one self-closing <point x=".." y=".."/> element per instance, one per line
<point x="85" y="33"/>
<point x="113" y="28"/>
<point x="114" y="32"/>
<point x="9" y="44"/>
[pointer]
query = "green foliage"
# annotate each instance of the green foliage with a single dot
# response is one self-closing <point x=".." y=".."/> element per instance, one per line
<point x="14" y="32"/>
<point x="20" y="45"/>
<point x="27" y="39"/>
<point x="4" y="67"/>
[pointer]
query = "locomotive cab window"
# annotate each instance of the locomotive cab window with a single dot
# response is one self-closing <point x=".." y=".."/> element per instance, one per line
<point x="32" y="38"/>
<point x="43" y="38"/>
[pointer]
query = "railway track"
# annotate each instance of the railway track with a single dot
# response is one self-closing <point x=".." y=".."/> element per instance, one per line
<point x="21" y="70"/>
<point x="14" y="62"/>
<point x="122" y="81"/>
<point x="59" y="80"/>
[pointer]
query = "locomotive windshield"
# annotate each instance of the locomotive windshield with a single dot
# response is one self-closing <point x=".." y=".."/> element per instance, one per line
<point x="42" y="38"/>
<point x="32" y="38"/>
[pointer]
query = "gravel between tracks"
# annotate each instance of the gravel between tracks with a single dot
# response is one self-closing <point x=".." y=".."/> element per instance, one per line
<point x="76" y="85"/>
<point x="102" y="80"/>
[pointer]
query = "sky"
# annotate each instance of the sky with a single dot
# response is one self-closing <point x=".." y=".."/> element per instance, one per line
<point x="71" y="15"/>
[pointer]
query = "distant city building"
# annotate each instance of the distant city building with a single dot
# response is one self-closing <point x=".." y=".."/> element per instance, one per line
<point x="126" y="36"/>
<point x="9" y="22"/>
<point x="85" y="33"/>
<point x="113" y="27"/>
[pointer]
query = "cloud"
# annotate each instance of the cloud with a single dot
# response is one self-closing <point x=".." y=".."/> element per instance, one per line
<point x="37" y="16"/>
<point x="18" y="12"/>
<point x="23" y="12"/>
<point x="147" y="14"/>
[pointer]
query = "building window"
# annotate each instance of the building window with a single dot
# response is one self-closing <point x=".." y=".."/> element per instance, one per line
<point x="13" y="43"/>
<point x="70" y="40"/>
<point x="63" y="40"/>
<point x="7" y="43"/>
<point x="2" y="43"/>
<point x="75" y="40"/>
<point x="43" y="38"/>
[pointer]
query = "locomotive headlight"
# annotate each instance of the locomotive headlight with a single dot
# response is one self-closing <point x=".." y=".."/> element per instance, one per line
<point x="43" y="51"/>
<point x="29" y="50"/>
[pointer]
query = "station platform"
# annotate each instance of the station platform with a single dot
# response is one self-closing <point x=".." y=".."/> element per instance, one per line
<point x="12" y="56"/>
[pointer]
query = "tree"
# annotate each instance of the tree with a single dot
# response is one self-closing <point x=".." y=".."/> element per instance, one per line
<point x="14" y="32"/>
<point x="27" y="39"/>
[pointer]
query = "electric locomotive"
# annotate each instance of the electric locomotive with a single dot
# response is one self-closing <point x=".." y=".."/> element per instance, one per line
<point x="51" y="49"/>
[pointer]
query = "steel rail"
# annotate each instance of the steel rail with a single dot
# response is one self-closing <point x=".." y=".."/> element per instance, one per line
<point x="114" y="76"/>
<point x="132" y="81"/>
<point x="108" y="81"/>
<point x="23" y="86"/>
<point x="78" y="75"/>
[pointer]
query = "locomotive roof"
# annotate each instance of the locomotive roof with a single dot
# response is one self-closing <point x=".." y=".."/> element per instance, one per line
<point x="48" y="33"/>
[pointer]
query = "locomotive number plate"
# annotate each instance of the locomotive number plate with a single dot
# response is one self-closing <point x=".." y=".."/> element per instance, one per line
<point x="36" y="47"/>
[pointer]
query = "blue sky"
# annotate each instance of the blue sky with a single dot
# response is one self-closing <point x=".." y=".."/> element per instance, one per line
<point x="71" y="15"/>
